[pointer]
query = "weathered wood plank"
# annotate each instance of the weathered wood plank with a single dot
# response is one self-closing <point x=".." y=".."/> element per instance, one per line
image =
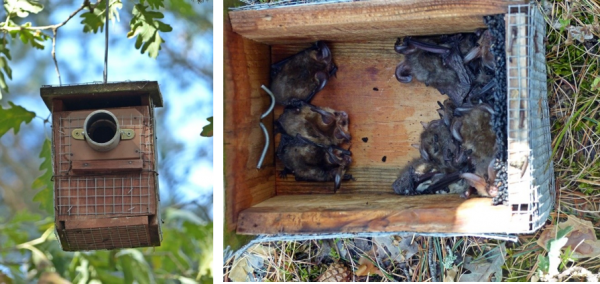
<point x="365" y="20"/>
<point x="106" y="166"/>
<point x="246" y="67"/>
<point x="353" y="213"/>
<point x="87" y="223"/>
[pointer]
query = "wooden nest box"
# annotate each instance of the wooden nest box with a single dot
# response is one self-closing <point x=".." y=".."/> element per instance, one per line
<point x="384" y="118"/>
<point x="105" y="167"/>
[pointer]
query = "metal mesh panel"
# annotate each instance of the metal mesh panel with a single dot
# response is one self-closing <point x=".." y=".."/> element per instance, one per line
<point x="530" y="169"/>
<point x="107" y="238"/>
<point x="130" y="195"/>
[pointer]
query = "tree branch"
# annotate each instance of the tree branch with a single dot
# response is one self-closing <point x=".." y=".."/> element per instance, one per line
<point x="50" y="27"/>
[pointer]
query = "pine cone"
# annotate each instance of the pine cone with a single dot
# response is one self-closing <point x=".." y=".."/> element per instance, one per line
<point x="336" y="272"/>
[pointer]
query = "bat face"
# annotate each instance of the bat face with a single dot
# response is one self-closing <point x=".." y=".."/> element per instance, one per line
<point x="323" y="126"/>
<point x="312" y="162"/>
<point x="301" y="76"/>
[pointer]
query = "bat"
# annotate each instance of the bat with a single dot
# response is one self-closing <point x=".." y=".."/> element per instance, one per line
<point x="473" y="130"/>
<point x="323" y="126"/>
<point x="309" y="161"/>
<point x="300" y="76"/>
<point x="438" y="65"/>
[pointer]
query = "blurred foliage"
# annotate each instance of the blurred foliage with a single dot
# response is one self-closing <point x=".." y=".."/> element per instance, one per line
<point x="185" y="257"/>
<point x="44" y="182"/>
<point x="207" y="130"/>
<point x="94" y="19"/>
<point x="145" y="25"/>
<point x="13" y="117"/>
<point x="29" y="250"/>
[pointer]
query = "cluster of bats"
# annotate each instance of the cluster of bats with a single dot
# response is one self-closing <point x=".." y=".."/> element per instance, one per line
<point x="311" y="136"/>
<point x="457" y="151"/>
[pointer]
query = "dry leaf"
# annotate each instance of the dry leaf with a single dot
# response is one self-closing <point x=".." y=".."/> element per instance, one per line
<point x="581" y="239"/>
<point x="482" y="270"/>
<point x="581" y="33"/>
<point x="387" y="242"/>
<point x="366" y="267"/>
<point x="451" y="274"/>
<point x="249" y="261"/>
<point x="408" y="249"/>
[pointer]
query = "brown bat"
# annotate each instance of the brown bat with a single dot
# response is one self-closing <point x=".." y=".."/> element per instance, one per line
<point x="323" y="126"/>
<point x="439" y="66"/>
<point x="473" y="129"/>
<point x="309" y="161"/>
<point x="422" y="177"/>
<point x="301" y="76"/>
<point x="437" y="146"/>
<point x="482" y="50"/>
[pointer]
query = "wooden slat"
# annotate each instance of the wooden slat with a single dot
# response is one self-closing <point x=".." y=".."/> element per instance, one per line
<point x="384" y="111"/>
<point x="106" y="166"/>
<point x="365" y="20"/>
<point x="353" y="213"/>
<point x="246" y="67"/>
<point x="89" y="223"/>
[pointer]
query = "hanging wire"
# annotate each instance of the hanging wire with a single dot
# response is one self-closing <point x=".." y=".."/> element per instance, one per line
<point x="264" y="152"/>
<point x="106" y="45"/>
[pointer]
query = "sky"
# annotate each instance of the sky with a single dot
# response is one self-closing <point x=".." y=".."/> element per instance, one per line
<point x="190" y="104"/>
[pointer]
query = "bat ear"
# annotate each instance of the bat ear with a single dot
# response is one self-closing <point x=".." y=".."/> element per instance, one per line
<point x="327" y="117"/>
<point x="455" y="129"/>
<point x="416" y="146"/>
<point x="337" y="181"/>
<point x="472" y="54"/>
<point x="323" y="52"/>
<point x="424" y="154"/>
<point x="425" y="124"/>
<point x="340" y="134"/>
<point x="477" y="182"/>
<point x="492" y="171"/>
<point x="403" y="72"/>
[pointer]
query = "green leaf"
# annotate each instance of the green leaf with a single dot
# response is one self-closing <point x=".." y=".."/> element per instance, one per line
<point x="154" y="4"/>
<point x="596" y="84"/>
<point x="44" y="182"/>
<point x="207" y="130"/>
<point x="12" y="117"/>
<point x="134" y="261"/>
<point x="22" y="8"/>
<point x="33" y="37"/>
<point x="4" y="50"/>
<point x="92" y="22"/>
<point x="5" y="67"/>
<point x="95" y="20"/>
<point x="145" y="25"/>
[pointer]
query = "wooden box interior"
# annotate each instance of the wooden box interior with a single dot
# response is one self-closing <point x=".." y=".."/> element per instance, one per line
<point x="384" y="118"/>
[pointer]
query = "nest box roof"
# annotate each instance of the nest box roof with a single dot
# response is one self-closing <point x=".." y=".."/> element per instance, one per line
<point x="99" y="95"/>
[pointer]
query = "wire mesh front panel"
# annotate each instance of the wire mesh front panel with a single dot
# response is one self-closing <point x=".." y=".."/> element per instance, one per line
<point x="530" y="169"/>
<point x="107" y="238"/>
<point x="107" y="195"/>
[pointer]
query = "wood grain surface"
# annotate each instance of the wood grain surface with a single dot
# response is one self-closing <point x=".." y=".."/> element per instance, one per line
<point x="350" y="213"/>
<point x="365" y="20"/>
